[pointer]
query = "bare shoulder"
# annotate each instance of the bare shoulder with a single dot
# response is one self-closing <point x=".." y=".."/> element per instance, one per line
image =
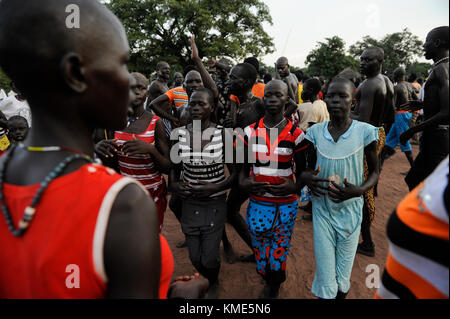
<point x="440" y="73"/>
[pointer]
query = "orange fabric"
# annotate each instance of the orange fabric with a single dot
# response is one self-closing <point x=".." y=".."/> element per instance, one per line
<point x="178" y="96"/>
<point x="258" y="90"/>
<point x="234" y="98"/>
<point x="413" y="212"/>
<point x="421" y="288"/>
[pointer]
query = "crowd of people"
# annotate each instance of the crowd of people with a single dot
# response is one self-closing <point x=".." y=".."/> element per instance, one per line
<point x="109" y="152"/>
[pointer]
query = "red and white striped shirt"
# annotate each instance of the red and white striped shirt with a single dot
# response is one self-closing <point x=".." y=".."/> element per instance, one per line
<point x="273" y="161"/>
<point x="140" y="166"/>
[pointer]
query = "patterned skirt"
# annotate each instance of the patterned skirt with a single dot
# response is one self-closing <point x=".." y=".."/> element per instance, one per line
<point x="369" y="197"/>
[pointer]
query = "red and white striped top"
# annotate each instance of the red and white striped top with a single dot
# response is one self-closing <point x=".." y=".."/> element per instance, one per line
<point x="140" y="166"/>
<point x="273" y="161"/>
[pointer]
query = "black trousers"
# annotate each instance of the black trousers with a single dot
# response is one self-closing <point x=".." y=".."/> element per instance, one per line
<point x="202" y="223"/>
<point x="433" y="150"/>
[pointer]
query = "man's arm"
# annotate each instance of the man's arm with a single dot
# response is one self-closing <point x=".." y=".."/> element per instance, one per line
<point x="208" y="81"/>
<point x="132" y="255"/>
<point x="162" y="143"/>
<point x="158" y="109"/>
<point x="294" y="88"/>
<point x="442" y="117"/>
<point x="300" y="166"/>
<point x="222" y="66"/>
<point x="154" y="91"/>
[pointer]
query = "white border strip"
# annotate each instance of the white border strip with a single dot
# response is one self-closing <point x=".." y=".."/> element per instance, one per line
<point x="102" y="223"/>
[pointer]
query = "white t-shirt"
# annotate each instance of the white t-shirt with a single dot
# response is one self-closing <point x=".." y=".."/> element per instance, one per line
<point x="11" y="106"/>
<point x="312" y="112"/>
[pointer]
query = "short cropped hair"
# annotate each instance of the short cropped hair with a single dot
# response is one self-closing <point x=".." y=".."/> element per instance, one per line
<point x="379" y="52"/>
<point x="339" y="79"/>
<point x="18" y="118"/>
<point x="160" y="65"/>
<point x="208" y="92"/>
<point x="253" y="61"/>
<point x="249" y="71"/>
<point x="142" y="77"/>
<point x="442" y="34"/>
<point x="314" y="84"/>
<point x="399" y="72"/>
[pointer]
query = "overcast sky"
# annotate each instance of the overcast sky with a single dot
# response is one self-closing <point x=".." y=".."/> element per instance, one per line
<point x="298" y="24"/>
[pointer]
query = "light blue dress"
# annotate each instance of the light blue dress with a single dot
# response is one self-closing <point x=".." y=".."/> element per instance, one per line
<point x="337" y="225"/>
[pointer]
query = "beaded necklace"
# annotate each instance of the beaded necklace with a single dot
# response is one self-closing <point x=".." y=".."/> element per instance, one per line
<point x="439" y="62"/>
<point x="131" y="121"/>
<point x="284" y="119"/>
<point x="50" y="149"/>
<point x="30" y="210"/>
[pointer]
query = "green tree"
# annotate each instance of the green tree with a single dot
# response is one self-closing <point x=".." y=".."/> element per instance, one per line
<point x="329" y="58"/>
<point x="4" y="82"/>
<point x="419" y="68"/>
<point x="160" y="29"/>
<point x="400" y="49"/>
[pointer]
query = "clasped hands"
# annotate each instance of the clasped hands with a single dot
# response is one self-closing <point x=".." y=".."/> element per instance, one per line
<point x="337" y="193"/>
<point x="109" y="148"/>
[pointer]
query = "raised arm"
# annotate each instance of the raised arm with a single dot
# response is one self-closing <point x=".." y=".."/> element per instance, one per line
<point x="208" y="81"/>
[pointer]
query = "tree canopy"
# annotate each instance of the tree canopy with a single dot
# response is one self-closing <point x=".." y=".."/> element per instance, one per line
<point x="329" y="58"/>
<point x="4" y="82"/>
<point x="160" y="29"/>
<point x="400" y="49"/>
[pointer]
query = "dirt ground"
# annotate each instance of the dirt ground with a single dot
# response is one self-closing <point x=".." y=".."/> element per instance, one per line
<point x="240" y="280"/>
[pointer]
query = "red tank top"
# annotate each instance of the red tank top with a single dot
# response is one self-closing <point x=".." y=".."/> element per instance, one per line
<point x="64" y="244"/>
<point x="140" y="167"/>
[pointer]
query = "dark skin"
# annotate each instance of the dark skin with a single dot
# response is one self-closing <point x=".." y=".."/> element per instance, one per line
<point x="178" y="79"/>
<point x="159" y="86"/>
<point x="275" y="99"/>
<point x="375" y="93"/>
<point x="17" y="130"/>
<point x="282" y="72"/>
<point x="309" y="95"/>
<point x="403" y="91"/>
<point x="247" y="111"/>
<point x="138" y="242"/>
<point x="200" y="108"/>
<point x="339" y="100"/>
<point x="160" y="152"/>
<point x="91" y="90"/>
<point x="193" y="80"/>
<point x="436" y="101"/>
